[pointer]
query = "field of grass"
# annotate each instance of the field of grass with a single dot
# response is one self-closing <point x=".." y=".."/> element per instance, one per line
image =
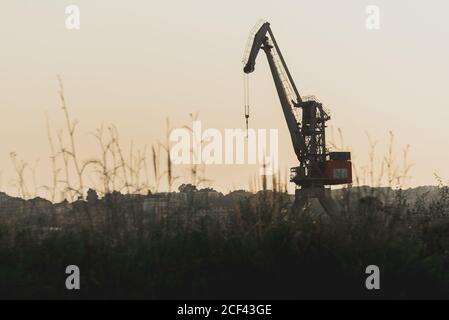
<point x="267" y="250"/>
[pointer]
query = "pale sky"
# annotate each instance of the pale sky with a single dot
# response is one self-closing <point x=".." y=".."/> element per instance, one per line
<point x="134" y="63"/>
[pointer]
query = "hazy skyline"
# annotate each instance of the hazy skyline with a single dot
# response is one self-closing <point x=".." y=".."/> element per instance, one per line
<point x="135" y="63"/>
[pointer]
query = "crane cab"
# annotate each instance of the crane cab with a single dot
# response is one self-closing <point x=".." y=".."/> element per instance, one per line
<point x="335" y="170"/>
<point x="338" y="169"/>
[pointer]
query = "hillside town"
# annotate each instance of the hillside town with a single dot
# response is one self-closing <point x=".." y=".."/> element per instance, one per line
<point x="189" y="204"/>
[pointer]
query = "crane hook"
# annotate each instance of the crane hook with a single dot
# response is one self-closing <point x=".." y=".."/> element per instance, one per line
<point x="246" y="99"/>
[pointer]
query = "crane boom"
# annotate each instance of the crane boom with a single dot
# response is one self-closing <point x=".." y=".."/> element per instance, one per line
<point x="261" y="41"/>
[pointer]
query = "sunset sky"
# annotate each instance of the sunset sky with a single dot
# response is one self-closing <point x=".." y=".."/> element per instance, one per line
<point x="135" y="63"/>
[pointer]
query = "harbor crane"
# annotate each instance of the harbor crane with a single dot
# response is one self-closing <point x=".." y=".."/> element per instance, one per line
<point x="306" y="121"/>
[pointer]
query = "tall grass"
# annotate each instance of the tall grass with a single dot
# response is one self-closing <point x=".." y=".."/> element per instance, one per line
<point x="264" y="250"/>
<point x="140" y="171"/>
